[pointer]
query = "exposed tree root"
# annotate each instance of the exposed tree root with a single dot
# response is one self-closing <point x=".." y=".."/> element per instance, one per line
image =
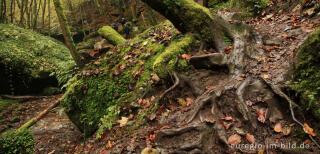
<point x="292" y="104"/>
<point x="172" y="87"/>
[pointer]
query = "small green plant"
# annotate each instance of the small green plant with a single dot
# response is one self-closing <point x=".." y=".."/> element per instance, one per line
<point x="14" y="142"/>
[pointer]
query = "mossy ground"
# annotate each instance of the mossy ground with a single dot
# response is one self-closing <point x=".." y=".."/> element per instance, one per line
<point x="123" y="75"/>
<point x="306" y="76"/>
<point x="26" y="55"/>
<point x="248" y="7"/>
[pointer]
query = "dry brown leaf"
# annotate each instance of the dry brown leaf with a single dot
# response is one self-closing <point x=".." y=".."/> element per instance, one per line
<point x="234" y="139"/>
<point x="261" y="115"/>
<point x="286" y="130"/>
<point x="209" y="87"/>
<point x="123" y="121"/>
<point x="250" y="138"/>
<point x="229" y="118"/>
<point x="284" y="35"/>
<point x="261" y="151"/>
<point x="278" y="127"/>
<point x="109" y="145"/>
<point x="308" y="130"/>
<point x="266" y="76"/>
<point x="189" y="101"/>
<point x="186" y="56"/>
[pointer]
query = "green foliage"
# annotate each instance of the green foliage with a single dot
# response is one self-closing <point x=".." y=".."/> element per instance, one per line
<point x="16" y="142"/>
<point x="94" y="100"/>
<point x="26" y="55"/>
<point x="111" y="35"/>
<point x="306" y="76"/>
<point x="6" y="102"/>
<point x="253" y="7"/>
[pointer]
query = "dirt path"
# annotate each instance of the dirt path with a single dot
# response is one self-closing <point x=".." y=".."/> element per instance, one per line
<point x="54" y="133"/>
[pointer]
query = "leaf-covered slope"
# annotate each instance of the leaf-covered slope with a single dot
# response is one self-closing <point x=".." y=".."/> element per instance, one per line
<point x="26" y="57"/>
<point x="126" y="72"/>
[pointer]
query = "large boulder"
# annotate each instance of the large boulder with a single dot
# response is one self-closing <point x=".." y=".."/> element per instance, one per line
<point x="306" y="73"/>
<point x="27" y="59"/>
<point x="127" y="71"/>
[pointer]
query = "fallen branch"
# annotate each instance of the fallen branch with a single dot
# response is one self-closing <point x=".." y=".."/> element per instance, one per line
<point x="37" y="118"/>
<point x="172" y="87"/>
<point x="23" y="98"/>
<point x="291" y="103"/>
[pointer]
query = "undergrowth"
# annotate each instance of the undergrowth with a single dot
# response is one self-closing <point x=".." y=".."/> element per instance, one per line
<point x="17" y="142"/>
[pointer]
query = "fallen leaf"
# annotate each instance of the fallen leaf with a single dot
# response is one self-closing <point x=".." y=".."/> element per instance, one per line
<point x="286" y="130"/>
<point x="155" y="77"/>
<point x="209" y="87"/>
<point x="189" y="101"/>
<point x="109" y="145"/>
<point x="308" y="130"/>
<point x="284" y="35"/>
<point x="261" y="151"/>
<point x="123" y="121"/>
<point x="186" y="56"/>
<point x="229" y="118"/>
<point x="182" y="102"/>
<point x="250" y="138"/>
<point x="234" y="139"/>
<point x="278" y="127"/>
<point x="307" y="141"/>
<point x="266" y="76"/>
<point x="227" y="125"/>
<point x="261" y="115"/>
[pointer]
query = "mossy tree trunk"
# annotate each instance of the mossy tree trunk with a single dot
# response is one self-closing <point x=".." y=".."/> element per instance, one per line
<point x="189" y="16"/>
<point x="67" y="34"/>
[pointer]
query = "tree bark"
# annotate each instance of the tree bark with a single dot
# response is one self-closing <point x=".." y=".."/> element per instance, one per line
<point x="189" y="16"/>
<point x="67" y="34"/>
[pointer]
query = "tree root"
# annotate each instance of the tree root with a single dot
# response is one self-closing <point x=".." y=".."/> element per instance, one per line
<point x="172" y="87"/>
<point x="292" y="104"/>
<point x="203" y="100"/>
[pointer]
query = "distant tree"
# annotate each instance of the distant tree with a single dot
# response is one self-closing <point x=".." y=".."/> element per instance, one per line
<point x="67" y="34"/>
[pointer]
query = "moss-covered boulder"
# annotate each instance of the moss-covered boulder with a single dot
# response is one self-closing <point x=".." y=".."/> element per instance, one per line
<point x="27" y="59"/>
<point x="306" y="76"/>
<point x="123" y="75"/>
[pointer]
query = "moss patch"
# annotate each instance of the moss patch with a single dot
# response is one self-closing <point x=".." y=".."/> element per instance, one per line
<point x="26" y="56"/>
<point x="306" y="76"/>
<point x="122" y="76"/>
<point x="111" y="35"/>
<point x="249" y="7"/>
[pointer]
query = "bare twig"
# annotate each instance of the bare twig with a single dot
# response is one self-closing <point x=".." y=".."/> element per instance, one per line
<point x="172" y="87"/>
<point x="23" y="98"/>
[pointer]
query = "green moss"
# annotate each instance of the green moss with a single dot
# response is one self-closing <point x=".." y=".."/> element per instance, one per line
<point x="95" y="100"/>
<point x="166" y="61"/>
<point x="111" y="35"/>
<point x="306" y="76"/>
<point x="14" y="142"/>
<point x="248" y="7"/>
<point x="26" y="55"/>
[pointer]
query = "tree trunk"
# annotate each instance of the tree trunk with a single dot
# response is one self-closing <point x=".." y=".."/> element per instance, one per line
<point x="67" y="34"/>
<point x="189" y="16"/>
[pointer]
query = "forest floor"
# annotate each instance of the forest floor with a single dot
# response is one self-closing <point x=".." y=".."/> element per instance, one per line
<point x="54" y="133"/>
<point x="281" y="35"/>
